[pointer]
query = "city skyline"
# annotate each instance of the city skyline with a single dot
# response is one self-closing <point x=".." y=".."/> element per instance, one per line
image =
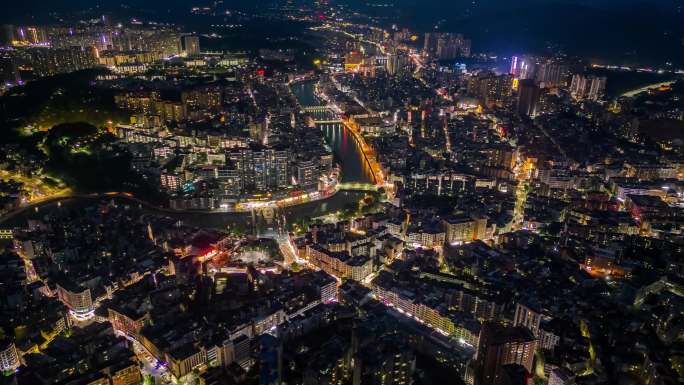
<point x="617" y="32"/>
<point x="342" y="192"/>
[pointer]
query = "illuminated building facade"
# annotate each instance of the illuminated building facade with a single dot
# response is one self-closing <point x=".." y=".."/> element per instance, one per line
<point x="340" y="265"/>
<point x="464" y="229"/>
<point x="308" y="173"/>
<point x="492" y="90"/>
<point x="353" y="61"/>
<point x="191" y="45"/>
<point x="78" y="300"/>
<point x="427" y="238"/>
<point x="446" y="46"/>
<point x="432" y="316"/>
<point x="525" y="316"/>
<point x="499" y="346"/>
<point x="47" y="61"/>
<point x="126" y="373"/>
<point x="126" y="324"/>
<point x="186" y="358"/>
<point x="397" y="63"/>
<point x="9" y="357"/>
<point x="588" y="87"/>
<point x="552" y="74"/>
<point x="528" y="98"/>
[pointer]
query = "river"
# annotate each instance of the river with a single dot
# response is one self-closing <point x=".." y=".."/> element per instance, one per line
<point x="346" y="153"/>
<point x="345" y="149"/>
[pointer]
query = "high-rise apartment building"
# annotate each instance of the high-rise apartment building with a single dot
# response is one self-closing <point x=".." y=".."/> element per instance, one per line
<point x="490" y="89"/>
<point x="397" y="63"/>
<point x="47" y="61"/>
<point x="460" y="229"/>
<point x="499" y="346"/>
<point x="78" y="299"/>
<point x="527" y="317"/>
<point x="9" y="72"/>
<point x="528" y="97"/>
<point x="551" y="74"/>
<point x="261" y="170"/>
<point x="589" y="87"/>
<point x="446" y="46"/>
<point x="561" y="376"/>
<point x="9" y="357"/>
<point x="191" y="45"/>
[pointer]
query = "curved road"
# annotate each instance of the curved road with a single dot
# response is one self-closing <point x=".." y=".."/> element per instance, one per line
<point x="646" y="88"/>
<point x="347" y="155"/>
<point x="114" y="194"/>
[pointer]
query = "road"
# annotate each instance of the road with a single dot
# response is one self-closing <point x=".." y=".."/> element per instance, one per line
<point x="637" y="91"/>
<point x="553" y="140"/>
<point x="366" y="150"/>
<point x="62" y="197"/>
<point x="288" y="250"/>
<point x="35" y="186"/>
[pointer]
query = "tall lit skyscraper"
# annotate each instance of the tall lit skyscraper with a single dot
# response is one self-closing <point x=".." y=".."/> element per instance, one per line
<point x="191" y="45"/>
<point x="490" y="89"/>
<point x="446" y="46"/>
<point x="523" y="67"/>
<point x="397" y="63"/>
<point x="516" y="62"/>
<point x="528" y="97"/>
<point x="588" y="87"/>
<point x="552" y="74"/>
<point x="9" y="357"/>
<point x="8" y="70"/>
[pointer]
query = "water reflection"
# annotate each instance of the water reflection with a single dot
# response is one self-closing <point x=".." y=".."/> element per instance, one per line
<point x="346" y="153"/>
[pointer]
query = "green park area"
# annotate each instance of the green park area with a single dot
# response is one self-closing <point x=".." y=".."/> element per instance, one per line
<point x="58" y="129"/>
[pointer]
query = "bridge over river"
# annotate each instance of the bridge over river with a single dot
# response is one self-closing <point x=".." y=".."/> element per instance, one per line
<point x="322" y="115"/>
<point x="357" y="159"/>
<point x="359" y="187"/>
<point x="357" y="178"/>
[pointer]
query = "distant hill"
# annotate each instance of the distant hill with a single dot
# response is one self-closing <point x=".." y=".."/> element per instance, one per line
<point x="646" y="32"/>
<point x="615" y="31"/>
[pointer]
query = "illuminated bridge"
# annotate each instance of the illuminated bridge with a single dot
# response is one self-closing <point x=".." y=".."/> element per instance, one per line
<point x="358" y="187"/>
<point x="322" y="115"/>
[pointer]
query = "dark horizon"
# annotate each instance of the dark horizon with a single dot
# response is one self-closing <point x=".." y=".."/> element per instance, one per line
<point x="634" y="32"/>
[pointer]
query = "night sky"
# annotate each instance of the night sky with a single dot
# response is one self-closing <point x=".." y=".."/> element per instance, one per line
<point x="612" y="31"/>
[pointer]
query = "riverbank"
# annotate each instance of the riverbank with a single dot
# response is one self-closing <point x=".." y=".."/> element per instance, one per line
<point x="216" y="220"/>
<point x="631" y="82"/>
<point x="35" y="206"/>
<point x="646" y="88"/>
<point x="346" y="150"/>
